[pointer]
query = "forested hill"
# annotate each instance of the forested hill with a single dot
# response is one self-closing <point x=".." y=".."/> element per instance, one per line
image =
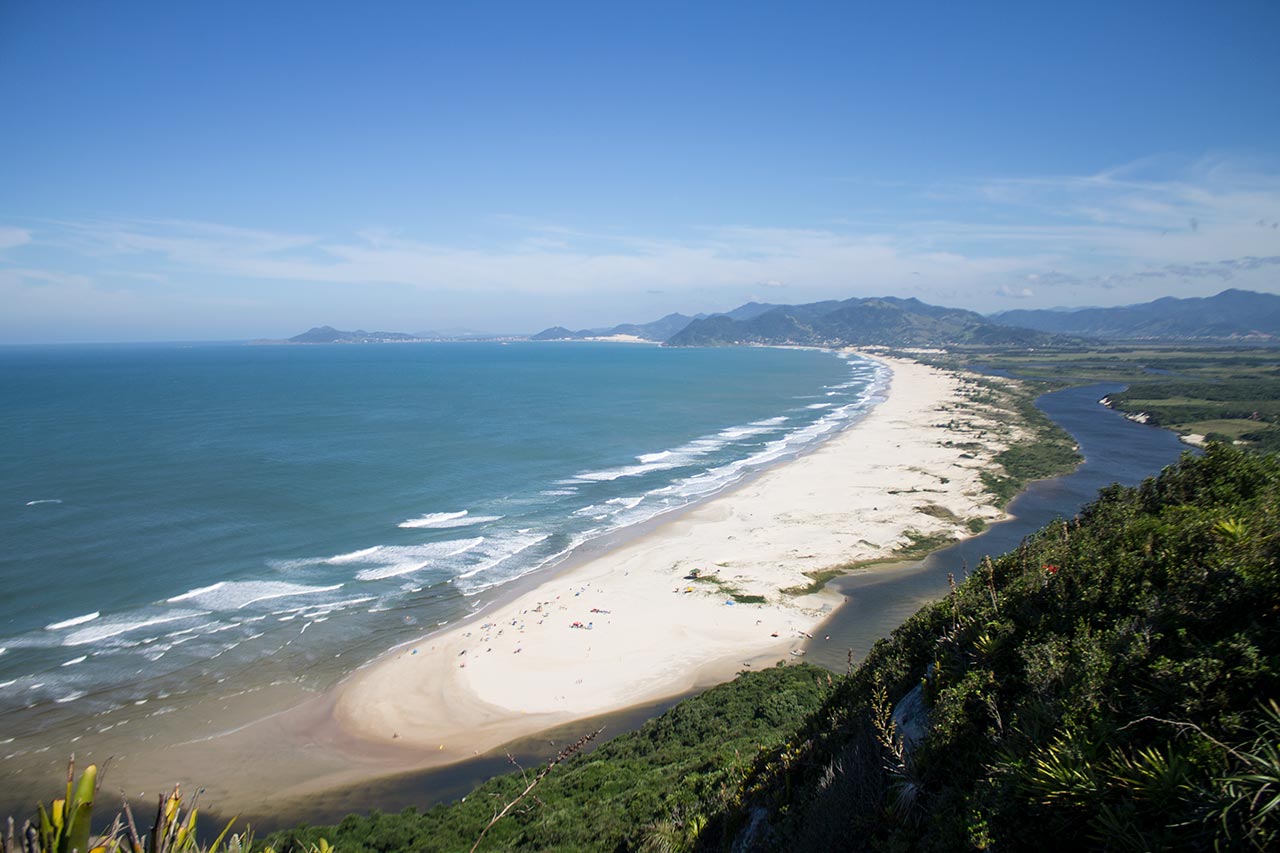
<point x="1110" y="684"/>
<point x="883" y="321"/>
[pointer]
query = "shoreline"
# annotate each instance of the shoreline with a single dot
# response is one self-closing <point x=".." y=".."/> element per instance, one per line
<point x="655" y="633"/>
<point x="519" y="667"/>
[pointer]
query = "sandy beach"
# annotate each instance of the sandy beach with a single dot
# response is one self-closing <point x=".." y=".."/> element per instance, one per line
<point x="676" y="608"/>
<point x="685" y="603"/>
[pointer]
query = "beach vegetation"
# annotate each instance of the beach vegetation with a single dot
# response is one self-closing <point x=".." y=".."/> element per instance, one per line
<point x="917" y="546"/>
<point x="724" y="587"/>
<point x="940" y="512"/>
<point x="920" y="544"/>
<point x="818" y="579"/>
<point x="1031" y="446"/>
<point x="716" y="581"/>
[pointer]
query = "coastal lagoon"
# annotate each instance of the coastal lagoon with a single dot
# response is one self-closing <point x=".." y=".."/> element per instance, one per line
<point x="192" y="522"/>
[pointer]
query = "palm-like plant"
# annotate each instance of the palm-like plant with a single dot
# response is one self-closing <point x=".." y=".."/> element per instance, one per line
<point x="65" y="826"/>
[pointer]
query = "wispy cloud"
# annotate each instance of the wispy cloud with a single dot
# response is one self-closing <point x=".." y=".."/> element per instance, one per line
<point x="10" y="237"/>
<point x="1122" y="235"/>
<point x="575" y="262"/>
<point x="1218" y="271"/>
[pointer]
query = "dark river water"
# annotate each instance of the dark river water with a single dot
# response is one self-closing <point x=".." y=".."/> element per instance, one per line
<point x="1115" y="450"/>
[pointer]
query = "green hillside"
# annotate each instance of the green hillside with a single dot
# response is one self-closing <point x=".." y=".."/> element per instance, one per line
<point x="1109" y="685"/>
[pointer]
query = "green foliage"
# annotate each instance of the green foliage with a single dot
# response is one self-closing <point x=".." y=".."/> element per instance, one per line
<point x="65" y="827"/>
<point x="648" y="789"/>
<point x="818" y="579"/>
<point x="921" y="544"/>
<point x="1253" y="791"/>
<point x="1099" y="687"/>
<point x="1247" y="407"/>
<point x="66" y="824"/>
<point x="1052" y="452"/>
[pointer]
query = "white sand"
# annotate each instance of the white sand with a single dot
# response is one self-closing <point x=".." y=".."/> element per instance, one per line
<point x="650" y="633"/>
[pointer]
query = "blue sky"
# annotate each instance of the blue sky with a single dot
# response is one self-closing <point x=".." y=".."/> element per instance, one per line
<point x="235" y="170"/>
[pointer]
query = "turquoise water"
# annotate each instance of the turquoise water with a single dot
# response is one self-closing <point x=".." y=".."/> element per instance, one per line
<point x="177" y="517"/>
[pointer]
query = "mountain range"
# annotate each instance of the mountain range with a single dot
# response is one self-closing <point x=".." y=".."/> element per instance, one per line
<point x="1229" y="315"/>
<point x="1232" y="315"/>
<point x="883" y="321"/>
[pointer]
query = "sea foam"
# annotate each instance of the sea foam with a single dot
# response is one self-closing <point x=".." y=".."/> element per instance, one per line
<point x="107" y="630"/>
<point x="389" y="561"/>
<point x="440" y="520"/>
<point x="502" y="551"/>
<point x="196" y="592"/>
<point x="236" y="595"/>
<point x="684" y="455"/>
<point x="79" y="620"/>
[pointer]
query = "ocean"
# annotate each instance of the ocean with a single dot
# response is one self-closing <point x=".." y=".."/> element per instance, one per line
<point x="180" y="522"/>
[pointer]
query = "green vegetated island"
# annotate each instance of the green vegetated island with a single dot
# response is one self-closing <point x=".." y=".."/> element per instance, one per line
<point x="1110" y="684"/>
